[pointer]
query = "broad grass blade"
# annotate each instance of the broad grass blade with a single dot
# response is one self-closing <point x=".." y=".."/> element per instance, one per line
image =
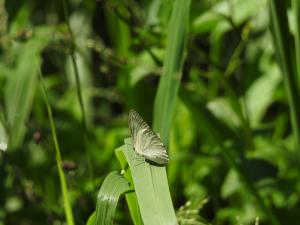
<point x="130" y="196"/>
<point x="151" y="188"/>
<point x="164" y="105"/>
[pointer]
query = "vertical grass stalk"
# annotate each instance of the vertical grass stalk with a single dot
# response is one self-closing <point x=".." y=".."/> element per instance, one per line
<point x="289" y="62"/>
<point x="78" y="90"/>
<point x="62" y="177"/>
<point x="166" y="95"/>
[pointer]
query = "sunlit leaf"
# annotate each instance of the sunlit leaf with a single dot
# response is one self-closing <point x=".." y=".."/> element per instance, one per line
<point x="151" y="188"/>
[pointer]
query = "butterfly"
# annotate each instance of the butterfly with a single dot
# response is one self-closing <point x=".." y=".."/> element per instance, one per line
<point x="145" y="142"/>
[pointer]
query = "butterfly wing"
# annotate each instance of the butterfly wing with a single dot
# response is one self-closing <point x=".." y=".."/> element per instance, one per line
<point x="156" y="151"/>
<point x="145" y="141"/>
<point x="137" y="127"/>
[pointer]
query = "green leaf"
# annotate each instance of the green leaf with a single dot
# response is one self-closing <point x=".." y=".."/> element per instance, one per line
<point x="144" y="66"/>
<point x="21" y="84"/>
<point x="209" y="19"/>
<point x="172" y="71"/>
<point x="222" y="110"/>
<point x="260" y="95"/>
<point x="113" y="186"/>
<point x="238" y="11"/>
<point x="130" y="196"/>
<point x="214" y="129"/>
<point x="231" y="184"/>
<point x="151" y="187"/>
<point x="91" y="219"/>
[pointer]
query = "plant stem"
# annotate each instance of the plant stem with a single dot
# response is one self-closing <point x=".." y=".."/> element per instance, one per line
<point x="284" y="45"/>
<point x="62" y="177"/>
<point x="79" y="92"/>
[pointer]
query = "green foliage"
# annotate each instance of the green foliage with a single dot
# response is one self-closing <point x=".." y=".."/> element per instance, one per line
<point x="21" y="83"/>
<point x="220" y="86"/>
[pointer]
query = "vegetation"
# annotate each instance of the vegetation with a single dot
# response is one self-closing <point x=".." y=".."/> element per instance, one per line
<point x="218" y="80"/>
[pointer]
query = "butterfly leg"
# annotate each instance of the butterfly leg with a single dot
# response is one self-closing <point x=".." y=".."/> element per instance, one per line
<point x="140" y="159"/>
<point x="134" y="159"/>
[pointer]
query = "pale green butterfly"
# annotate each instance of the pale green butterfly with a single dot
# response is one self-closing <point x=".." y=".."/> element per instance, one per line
<point x="145" y="142"/>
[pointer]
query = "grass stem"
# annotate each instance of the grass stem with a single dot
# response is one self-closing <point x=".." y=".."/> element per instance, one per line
<point x="62" y="177"/>
<point x="79" y="91"/>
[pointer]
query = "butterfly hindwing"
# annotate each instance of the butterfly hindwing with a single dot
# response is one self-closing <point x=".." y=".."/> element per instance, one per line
<point x="157" y="154"/>
<point x="145" y="141"/>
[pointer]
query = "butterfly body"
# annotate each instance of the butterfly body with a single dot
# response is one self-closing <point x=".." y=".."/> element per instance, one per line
<point x="145" y="142"/>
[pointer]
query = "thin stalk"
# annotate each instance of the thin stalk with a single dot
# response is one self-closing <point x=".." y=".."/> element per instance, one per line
<point x="78" y="90"/>
<point x="233" y="63"/>
<point x="287" y="59"/>
<point x="62" y="177"/>
<point x="296" y="8"/>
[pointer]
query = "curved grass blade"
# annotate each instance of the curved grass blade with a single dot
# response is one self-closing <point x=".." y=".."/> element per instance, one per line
<point x="151" y="188"/>
<point x="91" y="219"/>
<point x="113" y="186"/>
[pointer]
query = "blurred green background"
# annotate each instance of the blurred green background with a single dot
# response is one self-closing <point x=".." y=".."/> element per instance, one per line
<point x="232" y="98"/>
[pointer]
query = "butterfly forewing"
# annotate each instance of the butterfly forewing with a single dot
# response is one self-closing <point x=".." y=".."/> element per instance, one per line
<point x="137" y="126"/>
<point x="145" y="141"/>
